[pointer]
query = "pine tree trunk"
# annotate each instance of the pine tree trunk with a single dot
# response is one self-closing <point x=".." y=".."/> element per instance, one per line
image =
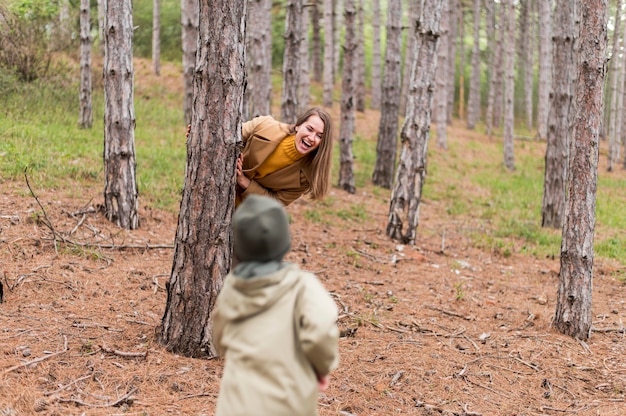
<point x="189" y="20"/>
<point x="494" y="50"/>
<point x="304" y="79"/>
<point x="442" y="80"/>
<point x="561" y="118"/>
<point x="376" y="63"/>
<point x="156" y="36"/>
<point x="574" y="299"/>
<point x="499" y="68"/>
<point x="328" y="75"/>
<point x="291" y="61"/>
<point x="359" y="66"/>
<point x="120" y="187"/>
<point x="545" y="65"/>
<point x="473" y="102"/>
<point x="407" y="190"/>
<point x="613" y="135"/>
<point x="413" y="12"/>
<point x="386" y="147"/>
<point x="317" y="42"/>
<point x="509" y="85"/>
<point x="453" y="24"/>
<point x="203" y="243"/>
<point x="348" y="101"/>
<point x="527" y="56"/>
<point x="258" y="94"/>
<point x="86" y="107"/>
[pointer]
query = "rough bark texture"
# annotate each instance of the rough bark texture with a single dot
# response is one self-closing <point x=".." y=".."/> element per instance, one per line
<point x="156" y="36"/>
<point x="329" y="74"/>
<point x="545" y="64"/>
<point x="614" y="128"/>
<point x="527" y="57"/>
<point x="453" y="25"/>
<point x="509" y="86"/>
<point x="120" y="187"/>
<point x="189" y="20"/>
<point x="348" y="101"/>
<point x="473" y="101"/>
<point x="386" y="146"/>
<point x="202" y="253"/>
<point x="407" y="190"/>
<point x="258" y="94"/>
<point x="376" y="63"/>
<point x="494" y="51"/>
<point x="316" y="40"/>
<point x="85" y="119"/>
<point x="413" y="12"/>
<point x="304" y="79"/>
<point x="291" y="61"/>
<point x="561" y="118"/>
<point x="573" y="309"/>
<point x="359" y="63"/>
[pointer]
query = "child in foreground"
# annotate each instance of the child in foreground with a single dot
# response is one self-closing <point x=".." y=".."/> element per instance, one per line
<point x="274" y="324"/>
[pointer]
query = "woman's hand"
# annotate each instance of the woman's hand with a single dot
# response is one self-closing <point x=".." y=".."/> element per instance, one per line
<point x="242" y="180"/>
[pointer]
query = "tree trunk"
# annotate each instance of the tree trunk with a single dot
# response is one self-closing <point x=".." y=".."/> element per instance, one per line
<point x="120" y="187"/>
<point x="613" y="135"/>
<point x="258" y="94"/>
<point x="453" y="24"/>
<point x="573" y="309"/>
<point x="461" y="48"/>
<point x="202" y="253"/>
<point x="413" y="12"/>
<point x="442" y="80"/>
<point x="561" y="118"/>
<point x="473" y="102"/>
<point x="376" y="63"/>
<point x="304" y="79"/>
<point x="291" y="61"/>
<point x="156" y="36"/>
<point x="386" y="147"/>
<point x="526" y="56"/>
<point x="348" y="101"/>
<point x="499" y="67"/>
<point x="328" y="75"/>
<point x="509" y="85"/>
<point x="407" y="191"/>
<point x="317" y="42"/>
<point x="189" y="20"/>
<point x="494" y="52"/>
<point x="337" y="25"/>
<point x="545" y="65"/>
<point x="86" y="107"/>
<point x="359" y="66"/>
<point x="101" y="26"/>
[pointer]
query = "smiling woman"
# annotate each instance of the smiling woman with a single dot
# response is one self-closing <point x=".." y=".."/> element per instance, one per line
<point x="285" y="161"/>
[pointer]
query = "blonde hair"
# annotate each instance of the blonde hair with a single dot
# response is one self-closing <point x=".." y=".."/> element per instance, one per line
<point x="321" y="158"/>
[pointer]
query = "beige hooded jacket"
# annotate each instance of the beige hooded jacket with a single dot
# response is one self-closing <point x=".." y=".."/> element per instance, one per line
<point x="276" y="333"/>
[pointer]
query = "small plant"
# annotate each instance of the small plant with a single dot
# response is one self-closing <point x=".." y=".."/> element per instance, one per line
<point x="460" y="292"/>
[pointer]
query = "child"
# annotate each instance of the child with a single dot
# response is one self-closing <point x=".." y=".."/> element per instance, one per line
<point x="274" y="324"/>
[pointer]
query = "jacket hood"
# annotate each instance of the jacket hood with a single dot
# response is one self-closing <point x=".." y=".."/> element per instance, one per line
<point x="252" y="296"/>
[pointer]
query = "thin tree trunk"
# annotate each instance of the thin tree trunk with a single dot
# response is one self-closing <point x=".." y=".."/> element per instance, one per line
<point x="451" y="70"/>
<point x="413" y="12"/>
<point x="473" y="102"/>
<point x="120" y="188"/>
<point x="527" y="56"/>
<point x="86" y="107"/>
<point x="258" y="94"/>
<point x="574" y="299"/>
<point x="328" y="75"/>
<point x="376" y="62"/>
<point x="442" y="80"/>
<point x="499" y="68"/>
<point x="494" y="50"/>
<point x="203" y="243"/>
<point x="348" y="101"/>
<point x="304" y="79"/>
<point x="317" y="42"/>
<point x="461" y="47"/>
<point x="189" y="20"/>
<point x="291" y="62"/>
<point x="545" y="64"/>
<point x="337" y="25"/>
<point x="613" y="135"/>
<point x="156" y="36"/>
<point x="509" y="86"/>
<point x="359" y="66"/>
<point x="386" y="147"/>
<point x="561" y="118"/>
<point x="407" y="190"/>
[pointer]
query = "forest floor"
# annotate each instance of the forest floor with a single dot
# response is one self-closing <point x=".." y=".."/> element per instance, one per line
<point x="439" y="328"/>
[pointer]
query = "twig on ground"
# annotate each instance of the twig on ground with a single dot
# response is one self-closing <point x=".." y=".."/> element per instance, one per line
<point x="46" y="220"/>
<point x="450" y="313"/>
<point x="124" y="353"/>
<point x="191" y="396"/>
<point x="37" y="360"/>
<point x="49" y="393"/>
<point x="118" y="402"/>
<point x="396" y="378"/>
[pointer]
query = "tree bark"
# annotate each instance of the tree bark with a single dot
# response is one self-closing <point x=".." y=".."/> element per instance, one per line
<point x="258" y="94"/>
<point x="359" y="62"/>
<point x="86" y="106"/>
<point x="329" y="74"/>
<point x="203" y="243"/>
<point x="316" y="41"/>
<point x="509" y="85"/>
<point x="386" y="146"/>
<point x="348" y="101"/>
<point x="613" y="133"/>
<point x="561" y="118"/>
<point x="291" y="61"/>
<point x="473" y="101"/>
<point x="189" y="20"/>
<point x="495" y="49"/>
<point x="407" y="190"/>
<point x="120" y="188"/>
<point x="376" y="63"/>
<point x="304" y="79"/>
<point x="156" y="37"/>
<point x="442" y="80"/>
<point x="574" y="299"/>
<point x="545" y="64"/>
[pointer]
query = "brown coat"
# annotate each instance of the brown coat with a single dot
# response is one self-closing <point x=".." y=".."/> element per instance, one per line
<point x="276" y="332"/>
<point x="261" y="136"/>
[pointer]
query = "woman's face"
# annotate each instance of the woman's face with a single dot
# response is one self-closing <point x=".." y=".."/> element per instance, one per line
<point x="309" y="134"/>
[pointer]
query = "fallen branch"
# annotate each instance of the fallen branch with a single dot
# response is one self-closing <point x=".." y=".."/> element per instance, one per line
<point x="46" y="221"/>
<point x="125" y="398"/>
<point x="124" y="353"/>
<point x="67" y="385"/>
<point x="37" y="360"/>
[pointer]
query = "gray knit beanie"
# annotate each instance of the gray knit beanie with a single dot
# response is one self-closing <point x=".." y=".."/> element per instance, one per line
<point x="261" y="230"/>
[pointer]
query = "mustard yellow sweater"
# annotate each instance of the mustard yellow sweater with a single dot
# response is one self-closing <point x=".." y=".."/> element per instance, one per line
<point x="284" y="155"/>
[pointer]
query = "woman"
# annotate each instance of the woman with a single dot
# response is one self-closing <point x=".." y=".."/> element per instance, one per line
<point x="286" y="161"/>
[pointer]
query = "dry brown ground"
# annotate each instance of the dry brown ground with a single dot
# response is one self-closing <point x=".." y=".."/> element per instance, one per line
<point x="440" y="328"/>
